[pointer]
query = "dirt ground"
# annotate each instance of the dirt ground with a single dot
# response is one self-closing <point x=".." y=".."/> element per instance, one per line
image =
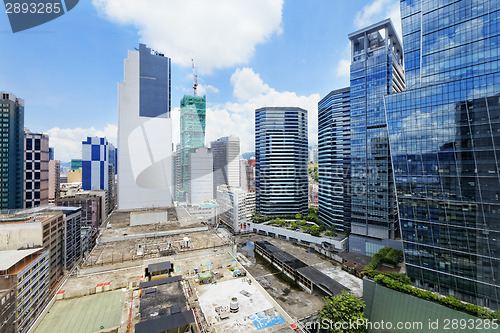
<point x="294" y="300"/>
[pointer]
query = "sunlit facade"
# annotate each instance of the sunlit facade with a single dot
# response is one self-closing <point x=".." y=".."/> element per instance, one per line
<point x="281" y="160"/>
<point x="334" y="159"/>
<point x="376" y="71"/>
<point x="445" y="144"/>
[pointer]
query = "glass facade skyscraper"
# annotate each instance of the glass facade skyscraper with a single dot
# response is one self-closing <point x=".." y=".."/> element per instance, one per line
<point x="334" y="159"/>
<point x="376" y="71"/>
<point x="445" y="144"/>
<point x="11" y="151"/>
<point x="281" y="155"/>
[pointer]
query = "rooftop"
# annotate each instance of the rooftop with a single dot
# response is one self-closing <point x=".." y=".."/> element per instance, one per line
<point x="11" y="257"/>
<point x="164" y="323"/>
<point x="84" y="314"/>
<point x="162" y="299"/>
<point x="322" y="280"/>
<point x="158" y="267"/>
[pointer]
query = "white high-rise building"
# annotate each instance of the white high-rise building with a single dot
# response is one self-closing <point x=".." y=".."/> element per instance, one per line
<point x="236" y="207"/>
<point x="144" y="131"/>
<point x="201" y="178"/>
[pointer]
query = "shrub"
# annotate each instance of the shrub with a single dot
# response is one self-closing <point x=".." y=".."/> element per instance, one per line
<point x="392" y="257"/>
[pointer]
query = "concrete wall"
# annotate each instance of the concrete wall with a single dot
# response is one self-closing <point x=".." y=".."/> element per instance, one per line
<point x="147" y="218"/>
<point x="16" y="235"/>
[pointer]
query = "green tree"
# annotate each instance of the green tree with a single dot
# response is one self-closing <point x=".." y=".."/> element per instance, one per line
<point x="340" y="309"/>
<point x="298" y="216"/>
<point x="315" y="231"/>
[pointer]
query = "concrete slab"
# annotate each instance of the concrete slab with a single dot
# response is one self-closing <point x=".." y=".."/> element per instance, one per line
<point x="255" y="313"/>
<point x="84" y="314"/>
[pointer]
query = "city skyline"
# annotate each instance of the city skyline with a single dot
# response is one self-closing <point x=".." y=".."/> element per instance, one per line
<point x="264" y="76"/>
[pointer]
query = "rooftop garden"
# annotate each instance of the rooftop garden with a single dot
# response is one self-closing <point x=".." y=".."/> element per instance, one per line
<point x="309" y="223"/>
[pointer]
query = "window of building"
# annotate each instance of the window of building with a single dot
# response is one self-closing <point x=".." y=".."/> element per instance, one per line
<point x="37" y="144"/>
<point x="29" y="144"/>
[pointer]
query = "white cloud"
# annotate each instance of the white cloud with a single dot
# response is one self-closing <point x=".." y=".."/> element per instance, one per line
<point x="344" y="67"/>
<point x="67" y="142"/>
<point x="238" y="118"/>
<point x="379" y="10"/>
<point x="204" y="89"/>
<point x="216" y="33"/>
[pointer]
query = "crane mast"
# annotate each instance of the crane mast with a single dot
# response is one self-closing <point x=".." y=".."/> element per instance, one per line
<point x="195" y="79"/>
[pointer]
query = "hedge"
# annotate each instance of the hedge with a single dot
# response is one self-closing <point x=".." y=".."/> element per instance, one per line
<point x="447" y="301"/>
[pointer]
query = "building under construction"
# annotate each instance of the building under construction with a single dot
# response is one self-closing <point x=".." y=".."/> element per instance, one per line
<point x="192" y="131"/>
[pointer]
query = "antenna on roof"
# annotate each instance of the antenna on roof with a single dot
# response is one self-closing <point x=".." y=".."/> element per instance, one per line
<point x="195" y="79"/>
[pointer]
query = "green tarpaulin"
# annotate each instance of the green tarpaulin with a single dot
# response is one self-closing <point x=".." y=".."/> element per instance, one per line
<point x="204" y="276"/>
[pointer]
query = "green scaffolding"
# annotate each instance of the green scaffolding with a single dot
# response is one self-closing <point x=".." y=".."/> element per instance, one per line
<point x="193" y="123"/>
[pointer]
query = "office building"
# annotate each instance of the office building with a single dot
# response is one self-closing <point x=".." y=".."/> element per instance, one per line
<point x="91" y="213"/>
<point x="54" y="179"/>
<point x="313" y="157"/>
<point x="112" y="165"/>
<point x="176" y="171"/>
<point x="8" y="306"/>
<point x="376" y="70"/>
<point x="334" y="160"/>
<point x="26" y="272"/>
<point x="36" y="167"/>
<point x="192" y="130"/>
<point x="144" y="131"/>
<point x="11" y="151"/>
<point x="247" y="174"/>
<point x="95" y="154"/>
<point x="200" y="176"/>
<point x="445" y="133"/>
<point x="113" y="157"/>
<point x="226" y="153"/>
<point x="74" y="176"/>
<point x="281" y="160"/>
<point x="72" y="234"/>
<point x="236" y="207"/>
<point x="97" y="172"/>
<point x="27" y="230"/>
<point x="76" y="163"/>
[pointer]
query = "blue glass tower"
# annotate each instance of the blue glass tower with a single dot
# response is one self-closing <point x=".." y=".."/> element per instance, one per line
<point x="334" y="159"/>
<point x="445" y="145"/>
<point x="11" y="151"/>
<point x="376" y="71"/>
<point x="281" y="155"/>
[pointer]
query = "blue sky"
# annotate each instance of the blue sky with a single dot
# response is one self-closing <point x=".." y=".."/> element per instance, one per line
<point x="248" y="54"/>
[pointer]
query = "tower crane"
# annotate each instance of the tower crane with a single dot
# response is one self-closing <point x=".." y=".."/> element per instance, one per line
<point x="195" y="79"/>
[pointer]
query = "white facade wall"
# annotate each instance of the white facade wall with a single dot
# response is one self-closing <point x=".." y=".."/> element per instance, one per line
<point x="201" y="176"/>
<point x="233" y="162"/>
<point x="144" y="148"/>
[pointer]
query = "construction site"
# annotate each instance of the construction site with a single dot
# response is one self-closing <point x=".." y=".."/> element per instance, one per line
<point x="168" y="275"/>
